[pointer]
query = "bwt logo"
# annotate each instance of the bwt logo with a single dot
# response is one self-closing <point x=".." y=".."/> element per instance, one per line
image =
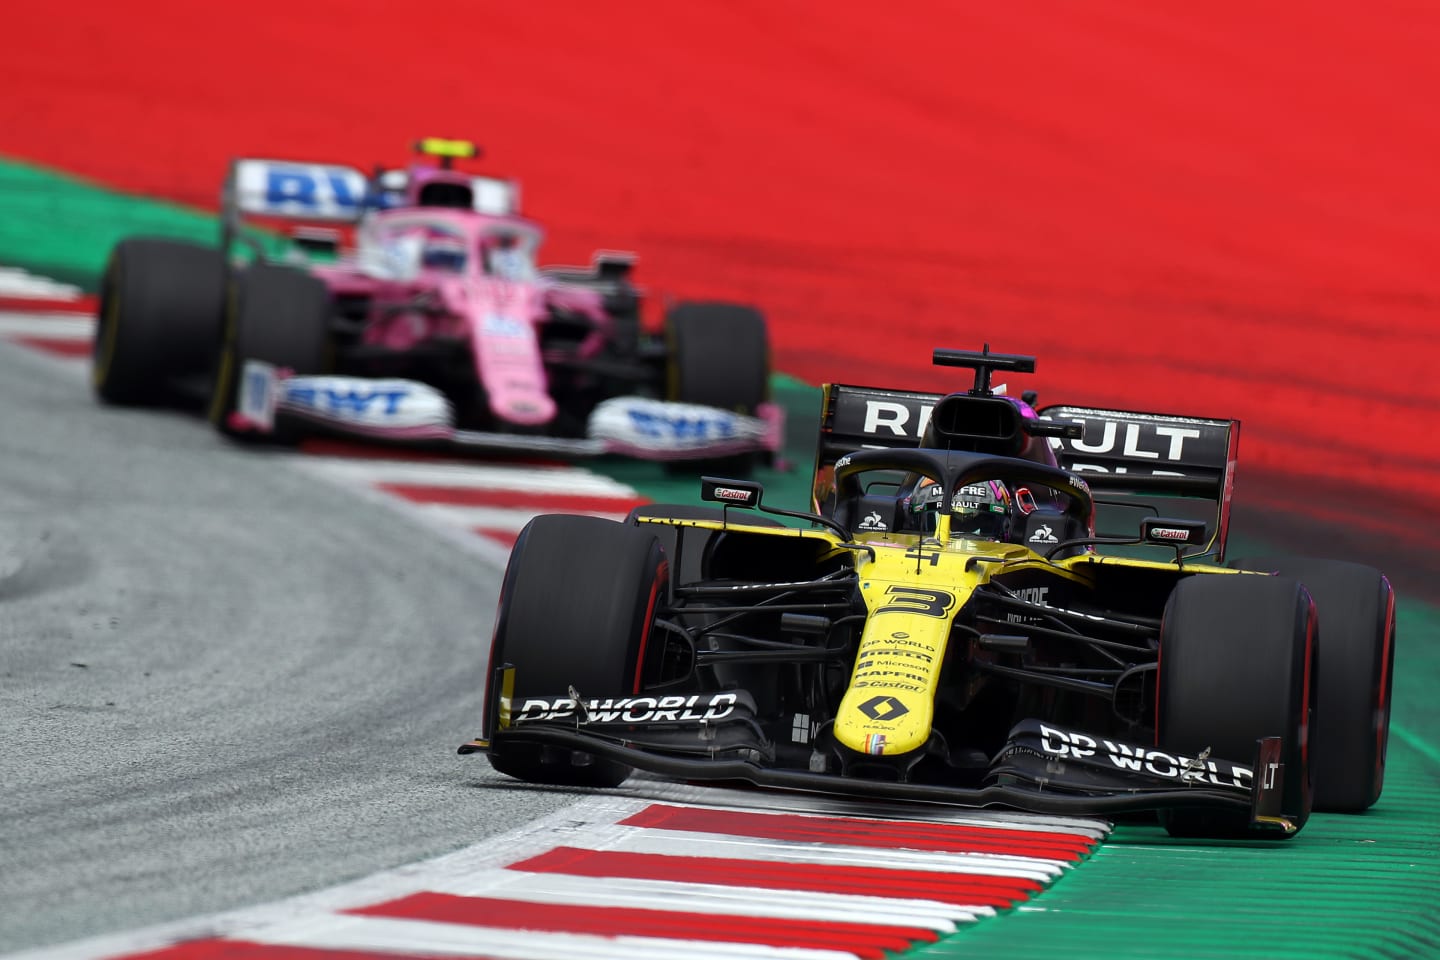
<point x="348" y="401"/>
<point x="681" y="427"/>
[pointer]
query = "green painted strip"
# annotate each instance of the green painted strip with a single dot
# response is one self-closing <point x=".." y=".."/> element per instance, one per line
<point x="64" y="227"/>
<point x="1418" y="743"/>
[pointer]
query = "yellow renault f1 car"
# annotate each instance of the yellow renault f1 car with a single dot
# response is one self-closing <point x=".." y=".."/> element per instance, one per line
<point x="947" y="625"/>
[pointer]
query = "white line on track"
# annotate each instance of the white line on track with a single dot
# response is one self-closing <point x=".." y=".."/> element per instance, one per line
<point x="60" y="326"/>
<point x="477" y="476"/>
<point x="15" y="282"/>
<point x="700" y="897"/>
<point x="381" y="934"/>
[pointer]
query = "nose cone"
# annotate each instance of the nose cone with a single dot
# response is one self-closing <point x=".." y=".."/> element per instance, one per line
<point x="527" y="407"/>
<point x="889" y="708"/>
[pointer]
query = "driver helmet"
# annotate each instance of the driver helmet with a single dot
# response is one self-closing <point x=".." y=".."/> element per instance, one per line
<point x="981" y="510"/>
<point x="978" y="510"/>
<point x="921" y="505"/>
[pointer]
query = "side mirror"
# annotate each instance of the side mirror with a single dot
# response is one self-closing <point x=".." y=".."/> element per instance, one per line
<point x="731" y="493"/>
<point x="1170" y="532"/>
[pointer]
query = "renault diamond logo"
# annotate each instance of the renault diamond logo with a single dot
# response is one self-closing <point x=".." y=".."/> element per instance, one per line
<point x="884" y="708"/>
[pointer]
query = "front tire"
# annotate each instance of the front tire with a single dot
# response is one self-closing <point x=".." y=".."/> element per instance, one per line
<point x="577" y="607"/>
<point x="1355" y="606"/>
<point x="161" y="303"/>
<point x="277" y="314"/>
<point x="1237" y="664"/>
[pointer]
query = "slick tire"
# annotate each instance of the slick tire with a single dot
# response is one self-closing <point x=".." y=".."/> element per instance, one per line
<point x="565" y="622"/>
<point x="277" y="314"/>
<point x="161" y="303"/>
<point x="719" y="357"/>
<point x="1355" y="607"/>
<point x="1237" y="663"/>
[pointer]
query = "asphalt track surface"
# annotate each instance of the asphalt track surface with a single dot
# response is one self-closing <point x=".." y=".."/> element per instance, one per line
<point x="220" y="683"/>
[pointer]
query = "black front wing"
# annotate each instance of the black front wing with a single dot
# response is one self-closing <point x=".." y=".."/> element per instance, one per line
<point x="1042" y="768"/>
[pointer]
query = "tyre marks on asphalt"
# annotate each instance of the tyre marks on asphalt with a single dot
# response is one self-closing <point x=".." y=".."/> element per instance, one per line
<point x="663" y="876"/>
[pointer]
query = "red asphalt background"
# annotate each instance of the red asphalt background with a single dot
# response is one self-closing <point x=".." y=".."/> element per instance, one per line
<point x="1225" y="209"/>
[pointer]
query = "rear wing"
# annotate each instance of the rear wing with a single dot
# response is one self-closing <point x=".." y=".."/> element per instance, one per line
<point x="1133" y="461"/>
<point x="272" y="191"/>
<point x="308" y="194"/>
<point x="289" y="190"/>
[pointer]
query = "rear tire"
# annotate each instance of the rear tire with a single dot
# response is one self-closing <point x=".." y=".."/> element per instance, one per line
<point x="719" y="357"/>
<point x="1237" y="664"/>
<point x="161" y="303"/>
<point x="277" y="314"/>
<point x="1355" y="607"/>
<point x="576" y="609"/>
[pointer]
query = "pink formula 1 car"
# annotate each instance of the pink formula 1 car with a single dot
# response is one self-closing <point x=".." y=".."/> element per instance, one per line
<point x="407" y="306"/>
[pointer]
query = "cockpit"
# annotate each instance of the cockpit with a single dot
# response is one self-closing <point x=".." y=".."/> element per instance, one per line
<point x="402" y="246"/>
<point x="957" y="498"/>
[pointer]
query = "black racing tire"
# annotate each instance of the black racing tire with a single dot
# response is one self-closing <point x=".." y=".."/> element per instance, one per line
<point x="161" y="304"/>
<point x="1237" y="663"/>
<point x="719" y="356"/>
<point x="577" y="607"/>
<point x="1355" y="606"/>
<point x="277" y="314"/>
